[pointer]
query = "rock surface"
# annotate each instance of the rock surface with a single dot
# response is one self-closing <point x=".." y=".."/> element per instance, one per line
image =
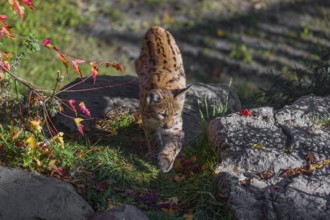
<point x="257" y="151"/>
<point x="122" y="91"/>
<point x="30" y="196"/>
<point x="126" y="212"/>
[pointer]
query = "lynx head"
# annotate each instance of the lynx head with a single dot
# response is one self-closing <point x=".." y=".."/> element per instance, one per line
<point x="164" y="107"/>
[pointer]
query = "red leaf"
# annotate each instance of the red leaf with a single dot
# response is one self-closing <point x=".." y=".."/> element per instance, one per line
<point x="64" y="61"/>
<point x="83" y="108"/>
<point x="5" y="31"/>
<point x="76" y="67"/>
<point x="2" y="19"/>
<point x="46" y="42"/>
<point x="61" y="171"/>
<point x="71" y="103"/>
<point x="245" y="112"/>
<point x="95" y="70"/>
<point x="17" y="7"/>
<point x="28" y="3"/>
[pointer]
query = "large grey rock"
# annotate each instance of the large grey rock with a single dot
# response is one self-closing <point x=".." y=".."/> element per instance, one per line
<point x="125" y="212"/>
<point x="122" y="91"/>
<point x="30" y="196"/>
<point x="274" y="141"/>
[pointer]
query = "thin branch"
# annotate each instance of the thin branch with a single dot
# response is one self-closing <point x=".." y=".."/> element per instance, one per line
<point x="19" y="79"/>
<point x="74" y="85"/>
<point x="97" y="88"/>
<point x="51" y="127"/>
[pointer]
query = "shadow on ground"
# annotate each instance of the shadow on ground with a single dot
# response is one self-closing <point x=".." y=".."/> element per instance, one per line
<point x="247" y="45"/>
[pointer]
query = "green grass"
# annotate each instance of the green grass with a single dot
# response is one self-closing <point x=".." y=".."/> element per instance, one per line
<point x="207" y="112"/>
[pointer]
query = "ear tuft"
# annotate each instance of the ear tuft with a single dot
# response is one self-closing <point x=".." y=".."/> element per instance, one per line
<point x="153" y="97"/>
<point x="179" y="93"/>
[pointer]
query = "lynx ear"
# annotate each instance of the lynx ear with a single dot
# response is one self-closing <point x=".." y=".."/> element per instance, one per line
<point x="153" y="97"/>
<point x="179" y="93"/>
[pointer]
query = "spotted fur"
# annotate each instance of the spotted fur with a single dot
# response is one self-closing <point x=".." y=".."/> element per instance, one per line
<point x="162" y="92"/>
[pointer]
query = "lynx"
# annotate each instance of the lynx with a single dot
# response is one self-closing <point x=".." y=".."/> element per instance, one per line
<point x="162" y="93"/>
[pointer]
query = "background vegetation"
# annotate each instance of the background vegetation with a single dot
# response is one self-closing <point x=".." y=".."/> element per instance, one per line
<point x="252" y="42"/>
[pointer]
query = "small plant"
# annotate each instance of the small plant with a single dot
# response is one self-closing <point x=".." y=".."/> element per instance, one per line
<point x="306" y="32"/>
<point x="322" y="120"/>
<point x="210" y="112"/>
<point x="240" y="52"/>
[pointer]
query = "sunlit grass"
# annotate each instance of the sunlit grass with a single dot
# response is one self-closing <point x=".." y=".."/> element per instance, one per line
<point x="58" y="21"/>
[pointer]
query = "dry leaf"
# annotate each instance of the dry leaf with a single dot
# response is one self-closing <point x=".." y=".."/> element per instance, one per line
<point x="266" y="174"/>
<point x="76" y="67"/>
<point x="178" y="178"/>
<point x="245" y="182"/>
<point x="31" y="142"/>
<point x="310" y="158"/>
<point x="259" y="146"/>
<point x="51" y="165"/>
<point x="59" y="139"/>
<point x="35" y="125"/>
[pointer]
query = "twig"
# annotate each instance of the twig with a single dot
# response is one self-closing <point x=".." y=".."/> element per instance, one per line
<point x="54" y="90"/>
<point x="97" y="88"/>
<point x="19" y="79"/>
<point x="74" y="85"/>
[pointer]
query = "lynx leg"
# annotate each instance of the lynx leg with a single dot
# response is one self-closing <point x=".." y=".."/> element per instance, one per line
<point x="154" y="143"/>
<point x="171" y="149"/>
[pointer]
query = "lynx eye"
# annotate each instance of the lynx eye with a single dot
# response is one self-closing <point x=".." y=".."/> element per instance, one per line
<point x="176" y="113"/>
<point x="163" y="115"/>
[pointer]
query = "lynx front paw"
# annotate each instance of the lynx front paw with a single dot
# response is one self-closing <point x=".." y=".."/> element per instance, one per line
<point x="165" y="162"/>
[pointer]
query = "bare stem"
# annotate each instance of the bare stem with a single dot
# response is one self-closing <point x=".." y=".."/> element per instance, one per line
<point x="19" y="79"/>
<point x="56" y="84"/>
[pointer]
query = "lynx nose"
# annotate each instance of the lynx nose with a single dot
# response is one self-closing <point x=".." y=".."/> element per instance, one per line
<point x="168" y="125"/>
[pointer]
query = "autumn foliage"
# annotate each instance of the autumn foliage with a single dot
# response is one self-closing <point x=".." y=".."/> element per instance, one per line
<point x="46" y="101"/>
